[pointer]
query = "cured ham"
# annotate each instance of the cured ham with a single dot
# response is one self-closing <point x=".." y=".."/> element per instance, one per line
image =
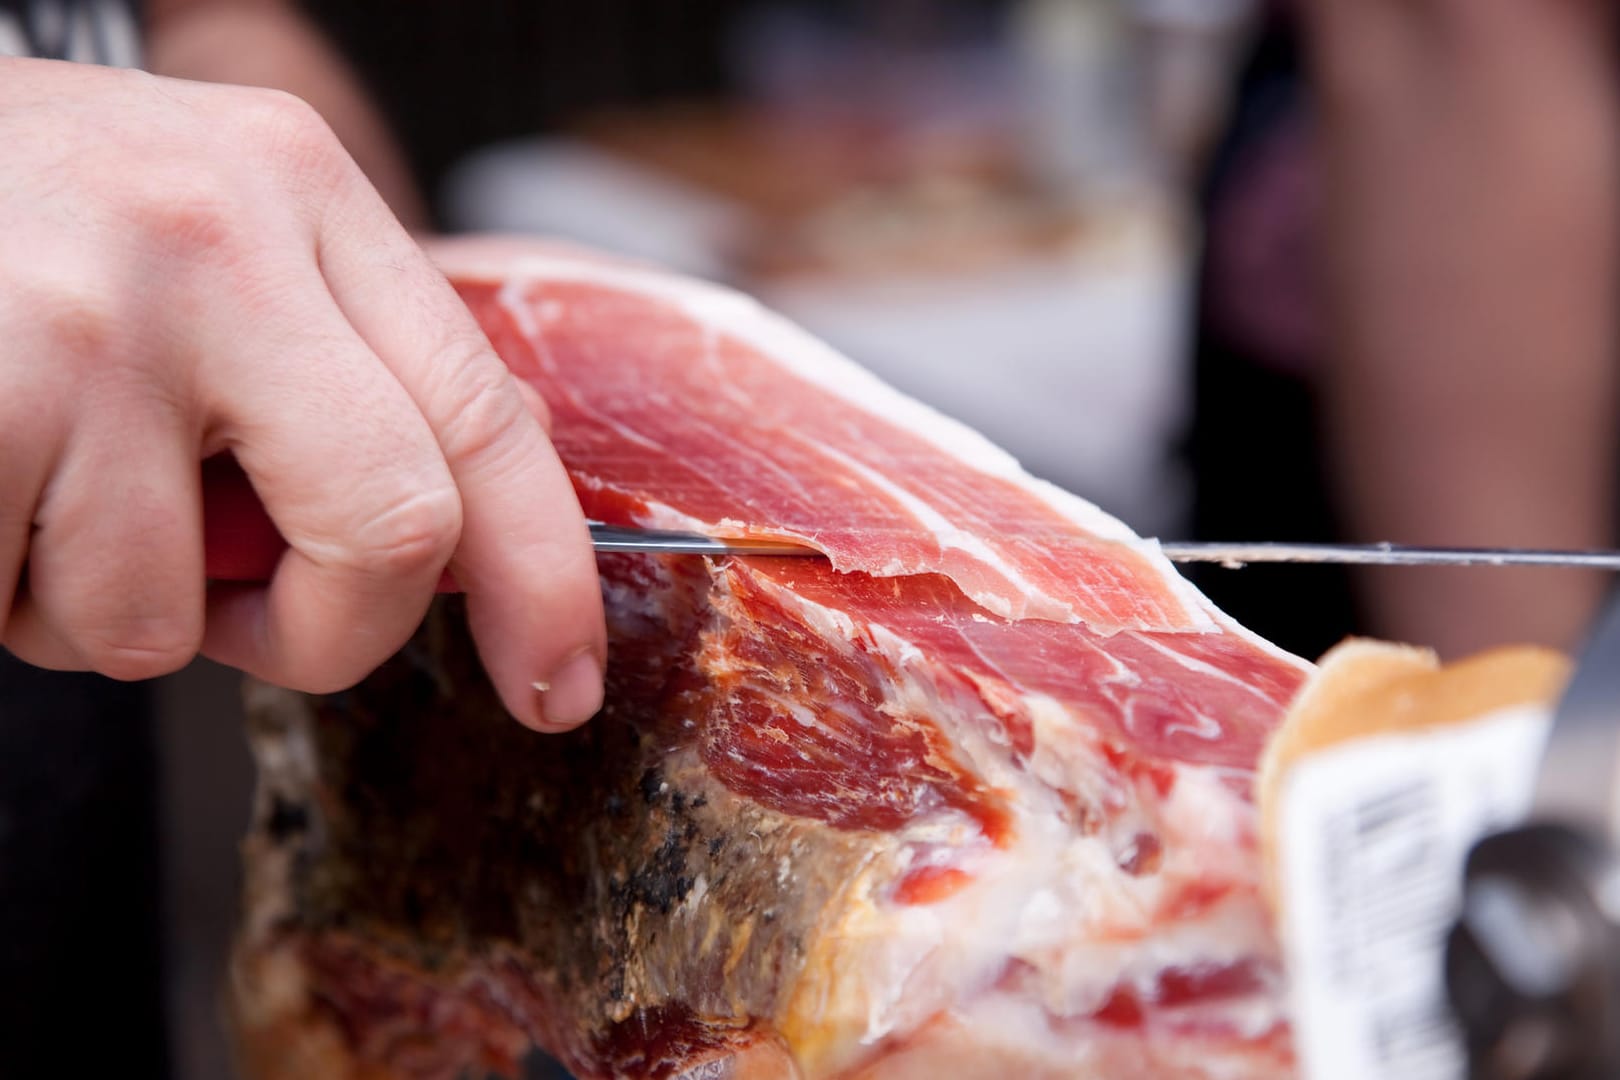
<point x="971" y="796"/>
<point x="745" y="426"/>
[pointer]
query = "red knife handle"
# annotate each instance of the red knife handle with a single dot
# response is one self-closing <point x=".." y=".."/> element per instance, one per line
<point x="240" y="542"/>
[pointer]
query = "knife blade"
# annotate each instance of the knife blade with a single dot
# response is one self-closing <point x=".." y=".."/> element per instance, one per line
<point x="669" y="542"/>
<point x="1231" y="554"/>
<point x="1225" y="553"/>
<point x="1236" y="554"/>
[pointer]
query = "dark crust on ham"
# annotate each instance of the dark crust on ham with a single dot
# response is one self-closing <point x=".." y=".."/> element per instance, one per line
<point x="626" y="899"/>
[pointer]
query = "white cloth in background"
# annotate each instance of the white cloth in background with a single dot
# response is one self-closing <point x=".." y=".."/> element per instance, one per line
<point x="1074" y="363"/>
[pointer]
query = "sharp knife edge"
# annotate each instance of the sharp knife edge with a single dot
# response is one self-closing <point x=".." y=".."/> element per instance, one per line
<point x="1240" y="554"/>
<point x="1231" y="554"/>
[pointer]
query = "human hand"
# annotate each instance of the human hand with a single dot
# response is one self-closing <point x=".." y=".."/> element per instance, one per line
<point x="188" y="269"/>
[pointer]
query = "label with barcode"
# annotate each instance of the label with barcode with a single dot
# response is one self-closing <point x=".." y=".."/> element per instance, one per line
<point x="1373" y="836"/>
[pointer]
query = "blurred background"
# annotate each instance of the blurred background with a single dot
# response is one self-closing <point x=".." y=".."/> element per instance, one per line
<point x="1092" y="229"/>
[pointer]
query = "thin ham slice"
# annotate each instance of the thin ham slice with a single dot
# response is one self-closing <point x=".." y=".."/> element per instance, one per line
<point x="703" y="410"/>
<point x="970" y="797"/>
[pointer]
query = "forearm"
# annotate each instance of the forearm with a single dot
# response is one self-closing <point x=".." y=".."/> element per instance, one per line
<point x="268" y="43"/>
<point x="1470" y="153"/>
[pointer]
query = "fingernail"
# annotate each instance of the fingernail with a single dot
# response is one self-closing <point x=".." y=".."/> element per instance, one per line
<point x="573" y="694"/>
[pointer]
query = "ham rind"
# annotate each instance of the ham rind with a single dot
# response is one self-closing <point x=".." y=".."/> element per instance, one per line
<point x="970" y="798"/>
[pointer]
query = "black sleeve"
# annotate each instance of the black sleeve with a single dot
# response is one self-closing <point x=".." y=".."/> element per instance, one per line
<point x="80" y="942"/>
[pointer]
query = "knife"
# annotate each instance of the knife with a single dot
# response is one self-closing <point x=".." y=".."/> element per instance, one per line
<point x="669" y="542"/>
<point x="1234" y="555"/>
<point x="248" y="553"/>
<point x="1224" y="553"/>
<point x="242" y="543"/>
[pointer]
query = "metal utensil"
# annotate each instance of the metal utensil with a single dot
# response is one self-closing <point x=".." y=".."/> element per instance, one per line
<point x="1533" y="963"/>
<point x="1233" y="554"/>
<point x="1225" y="553"/>
<point x="629" y="538"/>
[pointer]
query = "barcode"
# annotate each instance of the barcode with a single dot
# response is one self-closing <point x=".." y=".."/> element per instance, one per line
<point x="1390" y="900"/>
<point x="1375" y="837"/>
<point x="1417" y="1041"/>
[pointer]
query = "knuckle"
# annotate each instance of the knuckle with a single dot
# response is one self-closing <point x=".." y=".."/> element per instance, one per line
<point x="192" y="216"/>
<point x="288" y="131"/>
<point x="480" y="404"/>
<point x="76" y="319"/>
<point x="416" y="535"/>
<point x="140" y="647"/>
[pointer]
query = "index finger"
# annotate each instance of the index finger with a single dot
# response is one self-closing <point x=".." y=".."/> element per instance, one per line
<point x="525" y="558"/>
